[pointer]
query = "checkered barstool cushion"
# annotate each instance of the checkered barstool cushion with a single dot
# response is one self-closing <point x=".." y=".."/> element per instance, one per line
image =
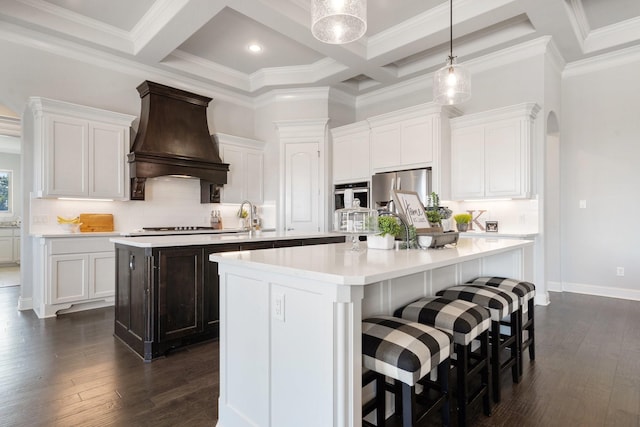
<point x="524" y="290"/>
<point x="463" y="319"/>
<point x="401" y="349"/>
<point x="500" y="303"/>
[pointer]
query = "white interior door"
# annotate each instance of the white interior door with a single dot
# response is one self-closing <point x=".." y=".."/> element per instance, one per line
<point x="302" y="186"/>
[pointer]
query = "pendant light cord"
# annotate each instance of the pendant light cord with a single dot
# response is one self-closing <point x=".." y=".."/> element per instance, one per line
<point x="451" y="29"/>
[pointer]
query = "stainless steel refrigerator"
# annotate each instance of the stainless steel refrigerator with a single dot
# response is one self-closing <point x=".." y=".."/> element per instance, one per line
<point x="418" y="180"/>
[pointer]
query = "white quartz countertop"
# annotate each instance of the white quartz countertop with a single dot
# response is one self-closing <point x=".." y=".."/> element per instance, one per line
<point x="499" y="235"/>
<point x="213" y="239"/>
<point x="336" y="263"/>
<point x="64" y="235"/>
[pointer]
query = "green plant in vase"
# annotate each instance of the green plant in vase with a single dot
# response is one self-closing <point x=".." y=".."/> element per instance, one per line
<point x="462" y="221"/>
<point x="434" y="218"/>
<point x="388" y="229"/>
<point x="389" y="225"/>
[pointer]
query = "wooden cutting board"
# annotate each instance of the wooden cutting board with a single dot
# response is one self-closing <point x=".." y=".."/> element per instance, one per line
<point x="96" y="222"/>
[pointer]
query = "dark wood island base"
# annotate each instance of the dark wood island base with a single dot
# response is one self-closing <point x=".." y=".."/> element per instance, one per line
<point x="168" y="297"/>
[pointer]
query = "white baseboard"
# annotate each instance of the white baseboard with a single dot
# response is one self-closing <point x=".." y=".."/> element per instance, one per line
<point x="25" y="304"/>
<point x="602" y="291"/>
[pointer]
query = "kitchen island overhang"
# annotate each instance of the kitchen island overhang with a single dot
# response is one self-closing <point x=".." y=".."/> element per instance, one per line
<point x="290" y="344"/>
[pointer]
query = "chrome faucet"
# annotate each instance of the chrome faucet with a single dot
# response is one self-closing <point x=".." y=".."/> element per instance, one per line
<point x="385" y="212"/>
<point x="250" y="214"/>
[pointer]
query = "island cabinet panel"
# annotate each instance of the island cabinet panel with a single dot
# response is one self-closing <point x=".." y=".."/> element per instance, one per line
<point x="180" y="293"/>
<point x="132" y="308"/>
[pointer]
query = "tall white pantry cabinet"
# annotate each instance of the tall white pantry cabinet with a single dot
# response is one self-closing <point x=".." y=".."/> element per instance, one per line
<point x="78" y="151"/>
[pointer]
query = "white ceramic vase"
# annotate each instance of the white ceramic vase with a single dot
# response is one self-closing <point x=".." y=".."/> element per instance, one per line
<point x="380" y="242"/>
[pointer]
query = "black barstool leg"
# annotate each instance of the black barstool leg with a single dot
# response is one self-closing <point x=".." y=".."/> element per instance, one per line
<point x="515" y="347"/>
<point x="380" y="400"/>
<point x="485" y="373"/>
<point x="462" y="354"/>
<point x="519" y="336"/>
<point x="531" y="331"/>
<point x="444" y="372"/>
<point x="495" y="359"/>
<point x="408" y="405"/>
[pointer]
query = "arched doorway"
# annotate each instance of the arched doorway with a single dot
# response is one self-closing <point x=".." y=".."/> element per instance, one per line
<point x="11" y="202"/>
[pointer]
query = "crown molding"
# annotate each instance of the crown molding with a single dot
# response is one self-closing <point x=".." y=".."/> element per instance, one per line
<point x="605" y="61"/>
<point x="10" y="126"/>
<point x="292" y="94"/>
<point x="302" y="74"/>
<point x="71" y="50"/>
<point x="183" y="61"/>
<point x="612" y="35"/>
<point x="64" y="21"/>
<point x="239" y="141"/>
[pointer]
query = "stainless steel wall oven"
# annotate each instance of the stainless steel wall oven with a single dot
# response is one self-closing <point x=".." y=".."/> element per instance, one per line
<point x="360" y="192"/>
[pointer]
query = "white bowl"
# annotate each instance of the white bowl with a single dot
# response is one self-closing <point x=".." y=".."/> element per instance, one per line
<point x="70" y="227"/>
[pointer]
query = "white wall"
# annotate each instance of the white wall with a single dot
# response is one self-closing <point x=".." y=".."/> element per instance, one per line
<point x="600" y="148"/>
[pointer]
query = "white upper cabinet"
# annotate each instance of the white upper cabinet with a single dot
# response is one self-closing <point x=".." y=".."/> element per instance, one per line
<point x="78" y="151"/>
<point x="491" y="153"/>
<point x="415" y="137"/>
<point x="246" y="168"/>
<point x="351" y="153"/>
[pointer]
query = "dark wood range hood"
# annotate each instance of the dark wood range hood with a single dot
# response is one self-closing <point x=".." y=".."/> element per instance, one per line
<point x="173" y="139"/>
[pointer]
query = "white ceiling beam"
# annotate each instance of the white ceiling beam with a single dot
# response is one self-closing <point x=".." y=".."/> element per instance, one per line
<point x="168" y="24"/>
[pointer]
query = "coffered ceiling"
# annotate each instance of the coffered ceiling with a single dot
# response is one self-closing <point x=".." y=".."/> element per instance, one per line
<point x="207" y="40"/>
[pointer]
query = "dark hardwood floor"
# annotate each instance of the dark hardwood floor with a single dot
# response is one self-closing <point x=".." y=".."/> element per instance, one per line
<point x="70" y="371"/>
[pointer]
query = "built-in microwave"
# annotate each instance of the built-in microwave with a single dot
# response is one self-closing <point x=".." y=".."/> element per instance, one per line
<point x="360" y="192"/>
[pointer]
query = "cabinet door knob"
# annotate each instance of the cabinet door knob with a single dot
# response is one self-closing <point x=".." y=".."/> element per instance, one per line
<point x="132" y="262"/>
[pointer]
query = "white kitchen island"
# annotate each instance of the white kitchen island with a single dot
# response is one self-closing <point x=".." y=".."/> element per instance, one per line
<point x="290" y="345"/>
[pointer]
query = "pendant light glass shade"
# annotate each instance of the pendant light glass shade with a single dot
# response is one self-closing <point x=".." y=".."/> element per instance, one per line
<point x="451" y="84"/>
<point x="338" y="21"/>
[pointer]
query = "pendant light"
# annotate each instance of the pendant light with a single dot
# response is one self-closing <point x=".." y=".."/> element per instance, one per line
<point x="451" y="83"/>
<point x="338" y="21"/>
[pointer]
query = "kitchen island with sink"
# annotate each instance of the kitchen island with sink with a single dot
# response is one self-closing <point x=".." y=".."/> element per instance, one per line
<point x="166" y="293"/>
<point x="290" y="321"/>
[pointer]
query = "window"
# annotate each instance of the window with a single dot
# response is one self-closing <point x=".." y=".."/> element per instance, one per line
<point x="6" y="193"/>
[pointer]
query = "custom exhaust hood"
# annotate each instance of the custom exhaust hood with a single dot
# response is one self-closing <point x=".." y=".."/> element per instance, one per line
<point x="173" y="139"/>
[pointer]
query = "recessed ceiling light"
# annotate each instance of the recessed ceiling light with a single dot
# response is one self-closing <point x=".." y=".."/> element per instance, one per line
<point x="254" y="48"/>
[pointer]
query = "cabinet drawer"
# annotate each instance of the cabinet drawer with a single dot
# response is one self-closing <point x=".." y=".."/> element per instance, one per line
<point x="80" y="245"/>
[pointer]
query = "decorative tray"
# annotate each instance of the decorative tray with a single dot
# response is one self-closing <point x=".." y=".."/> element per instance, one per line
<point x="437" y="239"/>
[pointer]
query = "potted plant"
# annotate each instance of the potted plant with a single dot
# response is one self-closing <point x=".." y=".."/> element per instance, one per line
<point x="434" y="218"/>
<point x="433" y="204"/>
<point x="462" y="221"/>
<point x="389" y="229"/>
<point x="242" y="218"/>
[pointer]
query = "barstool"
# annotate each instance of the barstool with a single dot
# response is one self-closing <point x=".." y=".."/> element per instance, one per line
<point x="500" y="304"/>
<point x="526" y="291"/>
<point x="467" y="322"/>
<point x="407" y="352"/>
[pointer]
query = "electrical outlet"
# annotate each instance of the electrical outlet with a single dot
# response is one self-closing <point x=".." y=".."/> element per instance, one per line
<point x="278" y="307"/>
<point x="583" y="204"/>
<point x="40" y="219"/>
<point x="620" y="271"/>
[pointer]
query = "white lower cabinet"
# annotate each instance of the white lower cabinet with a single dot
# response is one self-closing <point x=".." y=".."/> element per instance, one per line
<point x="77" y="274"/>
<point x="9" y="245"/>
